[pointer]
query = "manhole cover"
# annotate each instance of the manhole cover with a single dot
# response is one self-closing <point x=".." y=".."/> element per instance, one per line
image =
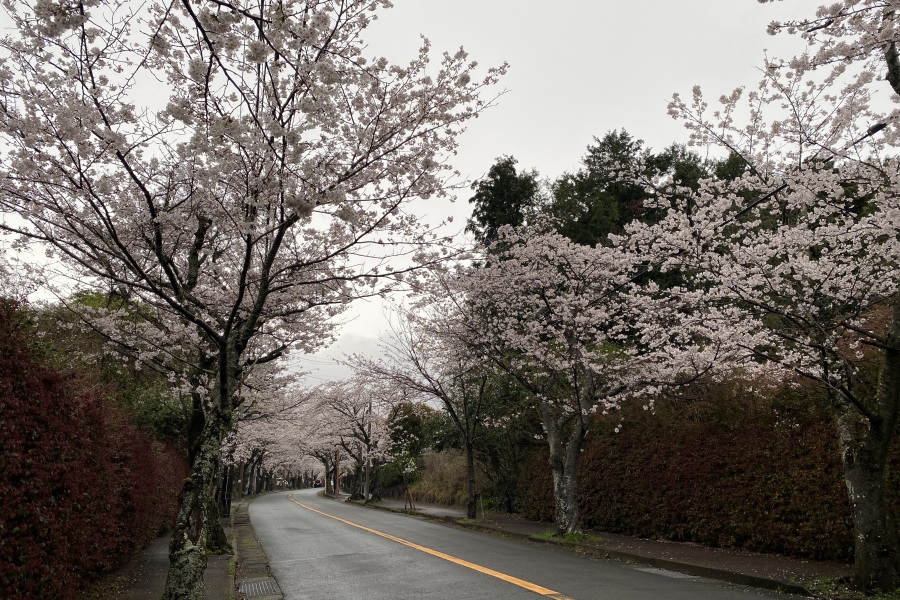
<point x="262" y="587"/>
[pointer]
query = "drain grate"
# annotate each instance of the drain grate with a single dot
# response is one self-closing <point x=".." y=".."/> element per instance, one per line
<point x="258" y="588"/>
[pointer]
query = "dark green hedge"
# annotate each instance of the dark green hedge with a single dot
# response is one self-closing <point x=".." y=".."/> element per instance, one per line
<point x="756" y="480"/>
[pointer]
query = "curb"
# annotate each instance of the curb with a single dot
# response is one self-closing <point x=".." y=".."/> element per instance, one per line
<point x="256" y="579"/>
<point x="754" y="581"/>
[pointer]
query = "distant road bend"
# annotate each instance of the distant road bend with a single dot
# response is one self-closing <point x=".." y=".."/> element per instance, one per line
<point x="322" y="549"/>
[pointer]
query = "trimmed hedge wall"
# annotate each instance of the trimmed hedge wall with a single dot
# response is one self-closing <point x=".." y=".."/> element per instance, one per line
<point x="753" y="483"/>
<point x="81" y="488"/>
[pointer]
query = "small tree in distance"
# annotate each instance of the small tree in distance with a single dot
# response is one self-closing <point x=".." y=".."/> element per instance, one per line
<point x="424" y="355"/>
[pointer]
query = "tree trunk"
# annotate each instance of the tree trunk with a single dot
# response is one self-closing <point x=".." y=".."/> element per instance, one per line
<point x="337" y="473"/>
<point x="238" y="483"/>
<point x="187" y="550"/>
<point x="864" y="445"/>
<point x="564" y="465"/>
<point x="250" y="486"/>
<point x="471" y="509"/>
<point x="876" y="559"/>
<point x="565" y="492"/>
<point x="216" y="540"/>
<point x="329" y="482"/>
<point x="375" y="482"/>
<point x="368" y="478"/>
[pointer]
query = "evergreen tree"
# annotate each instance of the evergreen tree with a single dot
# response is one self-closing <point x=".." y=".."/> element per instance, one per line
<point x="609" y="191"/>
<point x="504" y="197"/>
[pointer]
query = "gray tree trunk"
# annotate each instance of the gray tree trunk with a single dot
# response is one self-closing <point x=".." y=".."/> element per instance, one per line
<point x="876" y="560"/>
<point x="864" y="443"/>
<point x="187" y="550"/>
<point x="564" y="453"/>
<point x="471" y="508"/>
<point x="216" y="540"/>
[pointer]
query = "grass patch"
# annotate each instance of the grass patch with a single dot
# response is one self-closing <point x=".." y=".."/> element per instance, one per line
<point x="577" y="536"/>
<point x="468" y="521"/>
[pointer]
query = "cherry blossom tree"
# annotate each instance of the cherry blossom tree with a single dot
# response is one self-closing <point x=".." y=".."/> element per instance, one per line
<point x="242" y="165"/>
<point x="425" y="356"/>
<point x="294" y="424"/>
<point x="805" y="242"/>
<point x="570" y="324"/>
<point x="859" y="32"/>
<point x="358" y="409"/>
<point x="274" y="409"/>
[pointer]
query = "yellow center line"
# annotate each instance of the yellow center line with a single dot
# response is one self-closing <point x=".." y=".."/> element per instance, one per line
<point x="503" y="576"/>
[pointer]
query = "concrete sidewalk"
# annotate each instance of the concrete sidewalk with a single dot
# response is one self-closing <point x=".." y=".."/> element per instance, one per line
<point x="771" y="572"/>
<point x="144" y="576"/>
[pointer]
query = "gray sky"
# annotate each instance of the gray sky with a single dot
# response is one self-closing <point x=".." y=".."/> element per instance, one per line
<point x="578" y="69"/>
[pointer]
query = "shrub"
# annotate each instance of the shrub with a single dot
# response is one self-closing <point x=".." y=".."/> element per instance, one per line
<point x="764" y="477"/>
<point x="80" y="487"/>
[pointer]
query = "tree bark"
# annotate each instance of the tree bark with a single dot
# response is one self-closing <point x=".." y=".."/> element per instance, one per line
<point x="876" y="559"/>
<point x="564" y="466"/>
<point x="375" y="482"/>
<point x="864" y="444"/>
<point x="238" y="484"/>
<point x="216" y="540"/>
<point x="187" y="550"/>
<point x="250" y="486"/>
<point x="471" y="508"/>
<point x="328" y="482"/>
<point x="892" y="57"/>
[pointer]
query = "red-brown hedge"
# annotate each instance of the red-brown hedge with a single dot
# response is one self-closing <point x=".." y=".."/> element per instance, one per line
<point x="756" y="484"/>
<point x="80" y="487"/>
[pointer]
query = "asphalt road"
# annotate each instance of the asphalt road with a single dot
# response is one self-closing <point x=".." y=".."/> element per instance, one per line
<point x="314" y="556"/>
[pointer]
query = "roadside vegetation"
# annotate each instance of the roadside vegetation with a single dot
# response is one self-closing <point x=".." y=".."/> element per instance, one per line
<point x="82" y="487"/>
<point x="721" y="465"/>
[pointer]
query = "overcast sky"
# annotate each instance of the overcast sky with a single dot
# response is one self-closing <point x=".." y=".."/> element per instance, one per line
<point x="578" y="69"/>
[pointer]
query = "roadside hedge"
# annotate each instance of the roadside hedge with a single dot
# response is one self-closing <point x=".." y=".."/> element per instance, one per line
<point x="762" y="479"/>
<point x="81" y="488"/>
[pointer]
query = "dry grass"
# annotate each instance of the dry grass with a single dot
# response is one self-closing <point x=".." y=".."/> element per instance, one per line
<point x="444" y="479"/>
